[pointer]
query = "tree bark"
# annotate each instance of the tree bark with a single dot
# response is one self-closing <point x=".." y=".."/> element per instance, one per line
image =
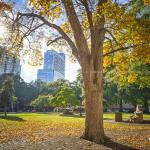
<point x="93" y="81"/>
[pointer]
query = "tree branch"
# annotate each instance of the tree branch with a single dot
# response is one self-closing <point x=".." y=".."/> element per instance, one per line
<point x="124" y="48"/>
<point x="88" y="12"/>
<point x="76" y="27"/>
<point x="112" y="37"/>
<point x="53" y="41"/>
<point x="54" y="26"/>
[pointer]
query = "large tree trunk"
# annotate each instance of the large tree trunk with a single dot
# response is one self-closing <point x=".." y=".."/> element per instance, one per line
<point x="94" y="116"/>
<point x="94" y="130"/>
<point x="91" y="61"/>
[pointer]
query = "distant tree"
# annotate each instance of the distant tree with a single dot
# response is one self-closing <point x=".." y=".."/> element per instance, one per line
<point x="78" y="87"/>
<point x="56" y="86"/>
<point x="7" y="93"/>
<point x="65" y="97"/>
<point x="41" y="86"/>
<point x="145" y="92"/>
<point x="24" y="92"/>
<point x="137" y="95"/>
<point x="110" y="94"/>
<point x="114" y="94"/>
<point x="14" y="102"/>
<point x="42" y="102"/>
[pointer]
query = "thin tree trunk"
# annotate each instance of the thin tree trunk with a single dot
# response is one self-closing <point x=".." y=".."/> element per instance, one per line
<point x="120" y="105"/>
<point x="146" y="107"/>
<point x="5" y="111"/>
<point x="80" y="107"/>
<point x="12" y="106"/>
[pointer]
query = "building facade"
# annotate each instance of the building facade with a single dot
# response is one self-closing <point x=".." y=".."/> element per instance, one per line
<point x="9" y="64"/>
<point x="53" y="68"/>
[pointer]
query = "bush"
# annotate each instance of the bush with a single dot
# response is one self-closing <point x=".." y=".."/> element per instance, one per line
<point x="42" y="102"/>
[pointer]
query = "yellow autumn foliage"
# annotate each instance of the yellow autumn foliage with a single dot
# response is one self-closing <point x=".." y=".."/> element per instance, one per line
<point x="132" y="78"/>
<point x="107" y="62"/>
<point x="47" y="8"/>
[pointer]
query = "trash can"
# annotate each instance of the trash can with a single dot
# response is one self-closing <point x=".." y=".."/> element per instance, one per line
<point x="118" y="116"/>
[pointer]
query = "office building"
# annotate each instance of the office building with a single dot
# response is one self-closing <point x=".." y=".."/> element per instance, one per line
<point x="53" y="68"/>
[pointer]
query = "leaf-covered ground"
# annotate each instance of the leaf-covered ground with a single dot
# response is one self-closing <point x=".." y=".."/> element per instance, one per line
<point x="31" y="128"/>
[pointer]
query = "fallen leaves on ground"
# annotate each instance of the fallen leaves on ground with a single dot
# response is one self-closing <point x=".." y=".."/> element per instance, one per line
<point x="36" y="129"/>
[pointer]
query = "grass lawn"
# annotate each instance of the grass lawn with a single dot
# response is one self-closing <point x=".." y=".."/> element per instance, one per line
<point x="34" y="127"/>
<point x="125" y="116"/>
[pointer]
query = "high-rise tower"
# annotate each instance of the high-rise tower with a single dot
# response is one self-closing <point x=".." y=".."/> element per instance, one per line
<point x="54" y="67"/>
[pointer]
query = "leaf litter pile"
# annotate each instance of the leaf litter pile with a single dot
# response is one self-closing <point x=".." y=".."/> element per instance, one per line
<point x="39" y="128"/>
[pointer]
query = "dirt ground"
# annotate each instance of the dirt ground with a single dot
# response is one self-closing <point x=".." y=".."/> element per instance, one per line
<point x="60" y="143"/>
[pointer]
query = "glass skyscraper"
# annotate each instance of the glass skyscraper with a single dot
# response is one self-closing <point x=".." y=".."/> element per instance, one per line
<point x="53" y="68"/>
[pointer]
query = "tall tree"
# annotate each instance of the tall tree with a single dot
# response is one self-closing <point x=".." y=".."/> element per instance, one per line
<point x="7" y="93"/>
<point x="93" y="29"/>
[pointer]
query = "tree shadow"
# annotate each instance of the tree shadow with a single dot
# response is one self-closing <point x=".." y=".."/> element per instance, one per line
<point x="12" y="118"/>
<point x="144" y="122"/>
<point x="108" y="119"/>
<point x="74" y="116"/>
<point x="77" y="116"/>
<point x="117" y="146"/>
